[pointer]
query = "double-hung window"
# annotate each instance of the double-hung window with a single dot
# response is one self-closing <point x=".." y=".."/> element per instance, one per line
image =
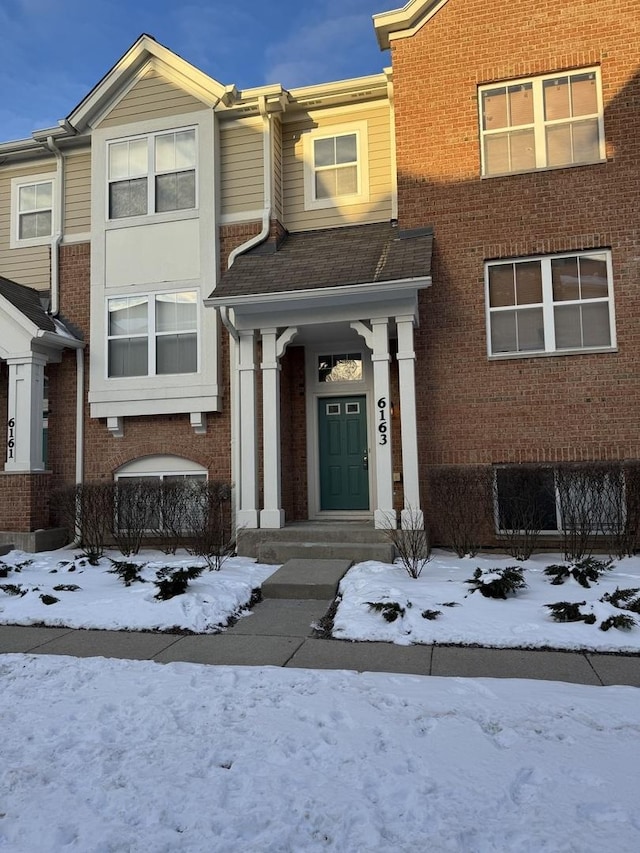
<point x="550" y="121"/>
<point x="335" y="166"/>
<point x="33" y="210"/>
<point x="153" y="335"/>
<point x="152" y="174"/>
<point x="550" y="304"/>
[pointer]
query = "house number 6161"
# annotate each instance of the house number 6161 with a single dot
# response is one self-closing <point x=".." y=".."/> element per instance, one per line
<point x="382" y="422"/>
<point x="11" y="440"/>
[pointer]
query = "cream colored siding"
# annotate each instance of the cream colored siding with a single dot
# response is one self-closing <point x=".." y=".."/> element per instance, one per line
<point x="376" y="209"/>
<point x="151" y="97"/>
<point x="241" y="167"/>
<point x="278" y="209"/>
<point x="77" y="195"/>
<point x="31" y="265"/>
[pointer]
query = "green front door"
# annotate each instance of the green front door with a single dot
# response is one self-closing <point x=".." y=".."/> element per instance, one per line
<point x="342" y="431"/>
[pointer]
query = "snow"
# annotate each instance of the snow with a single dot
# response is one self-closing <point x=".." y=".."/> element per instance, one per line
<point x="467" y="617"/>
<point x="104" y="755"/>
<point x="111" y="756"/>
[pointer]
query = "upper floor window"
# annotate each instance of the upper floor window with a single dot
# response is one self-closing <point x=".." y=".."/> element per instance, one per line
<point x="550" y="304"/>
<point x="335" y="166"/>
<point x="152" y="174"/>
<point x="549" y="121"/>
<point x="32" y="204"/>
<point x="153" y="335"/>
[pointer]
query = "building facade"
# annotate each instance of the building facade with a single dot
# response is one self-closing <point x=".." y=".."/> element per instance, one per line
<point x="323" y="294"/>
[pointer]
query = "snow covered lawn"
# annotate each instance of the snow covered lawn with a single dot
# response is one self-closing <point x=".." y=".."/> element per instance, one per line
<point x="468" y="618"/>
<point x="104" y="755"/>
<point x="103" y="601"/>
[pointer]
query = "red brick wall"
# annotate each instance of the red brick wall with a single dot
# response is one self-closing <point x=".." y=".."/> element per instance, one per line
<point x="24" y="501"/>
<point x="521" y="409"/>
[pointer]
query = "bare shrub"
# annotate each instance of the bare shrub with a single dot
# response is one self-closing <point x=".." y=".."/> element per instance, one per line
<point x="87" y="509"/>
<point x="175" y="497"/>
<point x="461" y="498"/>
<point x="137" y="510"/>
<point x="591" y="498"/>
<point x="411" y="543"/>
<point x="208" y="522"/>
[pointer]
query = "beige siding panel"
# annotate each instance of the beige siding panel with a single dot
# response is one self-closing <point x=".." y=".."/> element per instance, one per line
<point x="377" y="209"/>
<point x="241" y="167"/>
<point x="26" y="266"/>
<point x="77" y="194"/>
<point x="151" y="97"/>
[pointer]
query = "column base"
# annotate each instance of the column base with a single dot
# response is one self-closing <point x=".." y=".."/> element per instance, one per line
<point x="385" y="519"/>
<point x="272" y="518"/>
<point x="412" y="519"/>
<point x="247" y="518"/>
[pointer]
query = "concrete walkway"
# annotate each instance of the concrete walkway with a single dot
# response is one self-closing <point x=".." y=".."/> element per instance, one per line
<point x="279" y="633"/>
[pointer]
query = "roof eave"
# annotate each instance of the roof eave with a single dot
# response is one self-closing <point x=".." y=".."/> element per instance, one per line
<point x="404" y="22"/>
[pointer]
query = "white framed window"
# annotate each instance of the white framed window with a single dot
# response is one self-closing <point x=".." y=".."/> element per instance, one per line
<point x="155" y="173"/>
<point x="550" y="304"/>
<point x="336" y="166"/>
<point x="152" y="335"/>
<point x="340" y="367"/>
<point x="544" y="122"/>
<point x="32" y="210"/>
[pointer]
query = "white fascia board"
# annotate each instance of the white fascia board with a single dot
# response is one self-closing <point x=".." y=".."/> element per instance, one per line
<point x="146" y="49"/>
<point x="59" y="340"/>
<point x="404" y="22"/>
<point x="133" y="408"/>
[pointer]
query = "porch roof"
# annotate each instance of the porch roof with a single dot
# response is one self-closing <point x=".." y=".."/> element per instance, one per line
<point x="27" y="301"/>
<point x="330" y="258"/>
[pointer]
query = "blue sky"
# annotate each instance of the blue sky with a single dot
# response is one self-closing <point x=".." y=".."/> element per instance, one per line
<point x="54" y="51"/>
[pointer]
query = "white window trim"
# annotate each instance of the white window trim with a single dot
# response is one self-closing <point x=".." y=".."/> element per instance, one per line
<point x="151" y="335"/>
<point x="150" y="175"/>
<point x="15" y="241"/>
<point x="539" y="123"/>
<point x="360" y="129"/>
<point x="548" y="304"/>
<point x="161" y="465"/>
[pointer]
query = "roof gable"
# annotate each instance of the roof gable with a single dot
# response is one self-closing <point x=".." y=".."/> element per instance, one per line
<point x="404" y="22"/>
<point x="145" y="55"/>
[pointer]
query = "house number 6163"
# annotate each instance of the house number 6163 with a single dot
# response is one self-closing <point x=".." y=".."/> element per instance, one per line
<point x="382" y="421"/>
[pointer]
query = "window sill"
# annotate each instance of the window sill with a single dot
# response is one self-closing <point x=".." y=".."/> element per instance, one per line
<point x="561" y="352"/>
<point x="598" y="162"/>
<point x="151" y="219"/>
<point x="30" y="242"/>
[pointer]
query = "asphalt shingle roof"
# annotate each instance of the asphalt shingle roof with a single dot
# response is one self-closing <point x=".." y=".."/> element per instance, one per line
<point x="331" y="257"/>
<point x="27" y="301"/>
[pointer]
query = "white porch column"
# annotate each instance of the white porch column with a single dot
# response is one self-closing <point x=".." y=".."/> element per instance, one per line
<point x="411" y="516"/>
<point x="377" y="339"/>
<point x="272" y="348"/>
<point x="247" y="513"/>
<point x="24" y="413"/>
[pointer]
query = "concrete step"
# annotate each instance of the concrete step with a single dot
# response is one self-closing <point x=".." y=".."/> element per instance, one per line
<point x="306" y="578"/>
<point x="324" y="532"/>
<point x="270" y="551"/>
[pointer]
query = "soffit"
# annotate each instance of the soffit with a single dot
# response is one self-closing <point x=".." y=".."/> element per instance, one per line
<point x="404" y="22"/>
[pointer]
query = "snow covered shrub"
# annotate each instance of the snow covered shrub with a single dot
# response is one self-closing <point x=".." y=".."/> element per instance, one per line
<point x="585" y="571"/>
<point x="174" y="581"/>
<point x="126" y="571"/>
<point x="625" y="599"/>
<point x="497" y="583"/>
<point x="48" y="599"/>
<point x="622" y="621"/>
<point x="431" y="614"/>
<point x="13" y="589"/>
<point x="390" y="610"/>
<point x="411" y="543"/>
<point x="569" y="611"/>
<point x="461" y="500"/>
<point x="66" y="587"/>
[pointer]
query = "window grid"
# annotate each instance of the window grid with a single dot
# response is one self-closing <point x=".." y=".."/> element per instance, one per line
<point x="34" y="210"/>
<point x="161" y="339"/>
<point x="545" y="332"/>
<point x="154" y="173"/>
<point x="539" y="131"/>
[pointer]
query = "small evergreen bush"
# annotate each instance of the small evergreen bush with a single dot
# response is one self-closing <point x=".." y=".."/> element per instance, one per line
<point x="48" y="599"/>
<point x="569" y="611"/>
<point x="13" y="589"/>
<point x="66" y="587"/>
<point x="390" y="610"/>
<point x="624" y="599"/>
<point x="174" y="581"/>
<point x="622" y="621"/>
<point x="585" y="571"/>
<point x="498" y="583"/>
<point x="126" y="571"/>
<point x="431" y="614"/>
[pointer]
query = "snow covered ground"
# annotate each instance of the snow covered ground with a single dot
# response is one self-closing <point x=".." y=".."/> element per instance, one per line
<point x="103" y="601"/>
<point x="110" y="756"/>
<point x="106" y="756"/>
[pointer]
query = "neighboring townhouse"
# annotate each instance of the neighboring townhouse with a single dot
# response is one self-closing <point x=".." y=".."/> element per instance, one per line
<point x="323" y="294"/>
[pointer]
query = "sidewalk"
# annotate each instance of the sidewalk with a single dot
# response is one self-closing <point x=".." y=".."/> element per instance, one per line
<point x="279" y="633"/>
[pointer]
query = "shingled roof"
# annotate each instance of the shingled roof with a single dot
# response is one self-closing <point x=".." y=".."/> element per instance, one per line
<point x="332" y="257"/>
<point x="27" y="301"/>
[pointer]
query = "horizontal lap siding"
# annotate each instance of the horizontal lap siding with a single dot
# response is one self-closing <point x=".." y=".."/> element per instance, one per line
<point x="377" y="209"/>
<point x="28" y="266"/>
<point x="241" y="167"/>
<point x="77" y="195"/>
<point x="151" y="97"/>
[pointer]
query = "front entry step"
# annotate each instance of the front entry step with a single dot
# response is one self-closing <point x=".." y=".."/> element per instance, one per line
<point x="306" y="579"/>
<point x="354" y="552"/>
